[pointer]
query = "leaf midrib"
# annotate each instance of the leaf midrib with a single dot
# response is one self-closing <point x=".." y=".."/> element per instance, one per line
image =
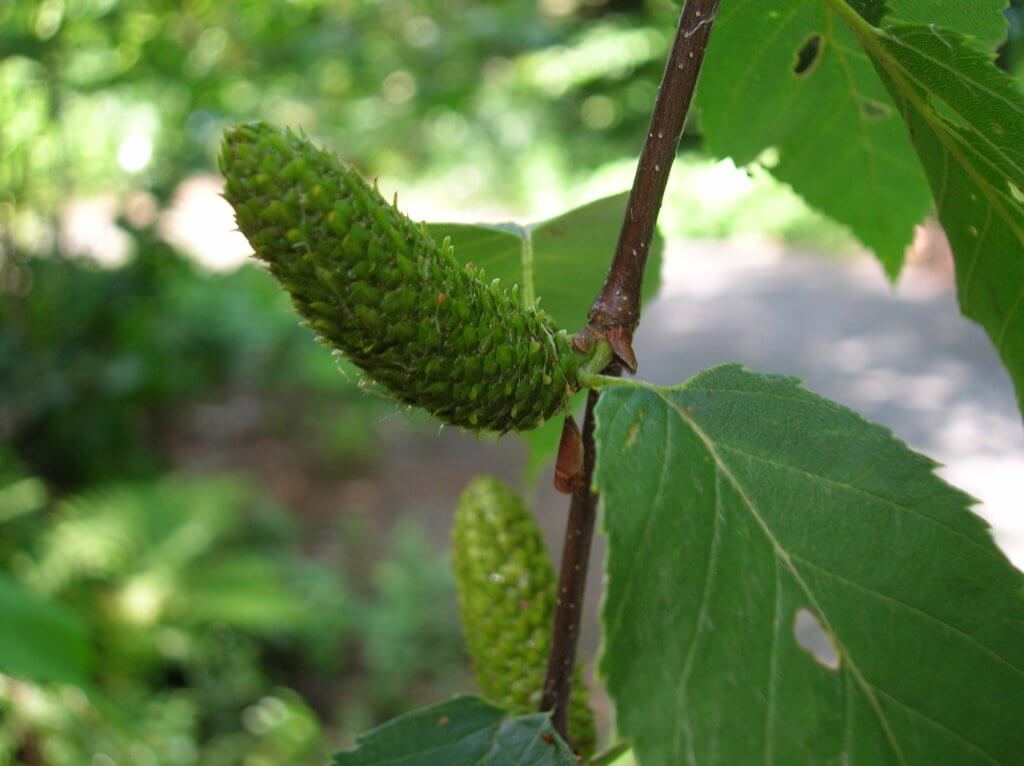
<point x="709" y="578"/>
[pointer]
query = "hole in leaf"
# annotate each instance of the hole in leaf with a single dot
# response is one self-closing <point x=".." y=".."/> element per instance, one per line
<point x="809" y="55"/>
<point x="812" y="637"/>
<point x="875" y="110"/>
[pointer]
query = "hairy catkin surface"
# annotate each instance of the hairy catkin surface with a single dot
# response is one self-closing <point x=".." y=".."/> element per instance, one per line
<point x="376" y="286"/>
<point x="506" y="587"/>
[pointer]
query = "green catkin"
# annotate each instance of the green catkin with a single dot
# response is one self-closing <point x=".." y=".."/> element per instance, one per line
<point x="376" y="286"/>
<point x="506" y="588"/>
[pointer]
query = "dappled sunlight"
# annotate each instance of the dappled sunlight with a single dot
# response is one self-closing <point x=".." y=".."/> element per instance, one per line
<point x="90" y="229"/>
<point x="995" y="479"/>
<point x="202" y="224"/>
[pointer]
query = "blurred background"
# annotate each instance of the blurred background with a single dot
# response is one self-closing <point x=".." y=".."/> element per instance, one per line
<point x="214" y="548"/>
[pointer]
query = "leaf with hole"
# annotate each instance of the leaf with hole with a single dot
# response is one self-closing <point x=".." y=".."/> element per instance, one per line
<point x="790" y="584"/>
<point x="788" y="75"/>
<point x="465" y="731"/>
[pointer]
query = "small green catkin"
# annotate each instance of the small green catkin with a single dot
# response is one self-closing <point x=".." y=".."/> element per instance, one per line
<point x="376" y="286"/>
<point x="506" y="589"/>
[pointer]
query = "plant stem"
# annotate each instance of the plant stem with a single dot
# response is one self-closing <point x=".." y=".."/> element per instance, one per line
<point x="618" y="303"/>
<point x="618" y="306"/>
<point x="597" y="382"/>
<point x="572" y="582"/>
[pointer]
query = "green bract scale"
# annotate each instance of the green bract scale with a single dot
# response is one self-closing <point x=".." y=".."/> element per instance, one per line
<point x="506" y="587"/>
<point x="375" y="285"/>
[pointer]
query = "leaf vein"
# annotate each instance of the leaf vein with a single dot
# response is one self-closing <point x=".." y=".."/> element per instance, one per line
<point x="969" y="279"/>
<point x="769" y="725"/>
<point x="859" y="490"/>
<point x="709" y="577"/>
<point x="911" y="608"/>
<point x="938" y="724"/>
<point x="740" y="83"/>
<point x="627" y="587"/>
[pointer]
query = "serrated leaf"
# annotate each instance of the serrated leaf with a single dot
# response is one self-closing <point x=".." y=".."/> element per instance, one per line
<point x="790" y="584"/>
<point x="40" y="639"/>
<point x="984" y="21"/>
<point x="465" y="731"/>
<point x="966" y="119"/>
<point x="561" y="261"/>
<point x="787" y="75"/>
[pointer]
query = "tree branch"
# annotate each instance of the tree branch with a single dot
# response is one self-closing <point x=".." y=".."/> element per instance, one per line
<point x="618" y="303"/>
<point x="613" y="316"/>
<point x="572" y="582"/>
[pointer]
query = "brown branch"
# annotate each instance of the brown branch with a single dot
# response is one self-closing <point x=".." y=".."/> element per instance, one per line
<point x="613" y="316"/>
<point x="572" y="582"/>
<point x="618" y="303"/>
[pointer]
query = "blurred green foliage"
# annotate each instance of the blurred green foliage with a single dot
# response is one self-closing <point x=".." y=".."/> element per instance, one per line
<point x="90" y="358"/>
<point x="412" y="631"/>
<point x="111" y="95"/>
<point x="199" y="607"/>
<point x="184" y="586"/>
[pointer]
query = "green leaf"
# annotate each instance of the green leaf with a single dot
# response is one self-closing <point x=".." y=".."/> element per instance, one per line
<point x="981" y="20"/>
<point x="465" y="731"/>
<point x="40" y="639"/>
<point x="561" y="261"/>
<point x="790" y="584"/>
<point x="788" y="76"/>
<point x="966" y="119"/>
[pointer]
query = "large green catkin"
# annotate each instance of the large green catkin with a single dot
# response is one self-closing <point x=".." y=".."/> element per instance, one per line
<point x="374" y="285"/>
<point x="506" y="589"/>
